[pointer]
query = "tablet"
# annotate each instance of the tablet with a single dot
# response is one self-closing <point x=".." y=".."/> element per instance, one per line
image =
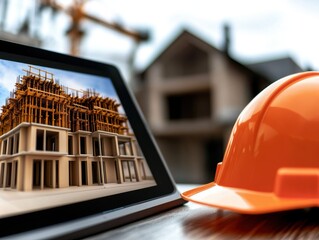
<point x="76" y="156"/>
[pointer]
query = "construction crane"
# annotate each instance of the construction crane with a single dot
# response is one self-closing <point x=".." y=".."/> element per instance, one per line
<point x="77" y="14"/>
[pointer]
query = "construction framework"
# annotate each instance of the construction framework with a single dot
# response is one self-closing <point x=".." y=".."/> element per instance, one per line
<point x="54" y="136"/>
<point x="39" y="99"/>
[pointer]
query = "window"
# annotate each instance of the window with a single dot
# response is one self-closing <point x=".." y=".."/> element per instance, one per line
<point x="47" y="140"/>
<point x="129" y="171"/>
<point x="37" y="169"/>
<point x="96" y="147"/>
<point x="137" y="149"/>
<point x="40" y="140"/>
<point x="84" y="177"/>
<point x="107" y="146"/>
<point x="95" y="173"/>
<point x="70" y="145"/>
<point x="16" y="143"/>
<point x="125" y="148"/>
<point x="8" y="175"/>
<point x="2" y="175"/>
<point x="189" y="106"/>
<point x="57" y="173"/>
<point x="82" y="145"/>
<point x="10" y="145"/>
<point x="15" y="174"/>
<point x="4" y="147"/>
<point x="52" y="141"/>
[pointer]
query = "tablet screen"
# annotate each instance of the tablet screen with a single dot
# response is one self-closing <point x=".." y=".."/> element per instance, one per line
<point x="65" y="138"/>
<point x="72" y="141"/>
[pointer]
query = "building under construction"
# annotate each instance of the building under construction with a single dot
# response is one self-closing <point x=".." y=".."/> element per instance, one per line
<point x="53" y="137"/>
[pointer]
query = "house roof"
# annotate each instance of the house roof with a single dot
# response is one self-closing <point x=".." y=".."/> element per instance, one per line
<point x="275" y="69"/>
<point x="186" y="35"/>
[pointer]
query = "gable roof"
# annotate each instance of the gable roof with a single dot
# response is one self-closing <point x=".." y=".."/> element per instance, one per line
<point x="275" y="69"/>
<point x="188" y="36"/>
<point x="185" y="36"/>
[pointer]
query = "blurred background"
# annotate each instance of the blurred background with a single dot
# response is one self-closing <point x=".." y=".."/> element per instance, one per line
<point x="193" y="65"/>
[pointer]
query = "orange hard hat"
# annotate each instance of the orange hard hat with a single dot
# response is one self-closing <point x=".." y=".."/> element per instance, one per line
<point x="271" y="162"/>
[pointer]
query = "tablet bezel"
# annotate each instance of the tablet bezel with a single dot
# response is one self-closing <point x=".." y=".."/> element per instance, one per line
<point x="164" y="183"/>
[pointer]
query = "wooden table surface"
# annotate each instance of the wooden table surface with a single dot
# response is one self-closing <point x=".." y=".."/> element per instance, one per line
<point x="193" y="221"/>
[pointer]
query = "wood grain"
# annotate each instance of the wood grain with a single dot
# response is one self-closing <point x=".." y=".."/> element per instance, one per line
<point x="193" y="221"/>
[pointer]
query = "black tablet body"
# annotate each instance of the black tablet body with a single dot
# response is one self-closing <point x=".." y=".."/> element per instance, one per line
<point x="76" y="157"/>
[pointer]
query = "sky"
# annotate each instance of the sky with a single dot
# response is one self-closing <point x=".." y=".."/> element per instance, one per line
<point x="10" y="71"/>
<point x="260" y="30"/>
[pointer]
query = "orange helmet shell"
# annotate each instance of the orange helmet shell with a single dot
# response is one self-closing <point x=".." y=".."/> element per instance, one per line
<point x="271" y="162"/>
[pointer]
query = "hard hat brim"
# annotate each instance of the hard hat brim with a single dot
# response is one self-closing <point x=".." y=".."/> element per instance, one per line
<point x="244" y="201"/>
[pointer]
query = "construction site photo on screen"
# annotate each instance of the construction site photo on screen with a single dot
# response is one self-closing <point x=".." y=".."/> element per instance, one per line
<point x="64" y="138"/>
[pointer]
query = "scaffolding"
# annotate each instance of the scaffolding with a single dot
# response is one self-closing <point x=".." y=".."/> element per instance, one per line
<point x="38" y="98"/>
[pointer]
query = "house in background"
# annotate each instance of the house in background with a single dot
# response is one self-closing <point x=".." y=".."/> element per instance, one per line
<point x="191" y="95"/>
